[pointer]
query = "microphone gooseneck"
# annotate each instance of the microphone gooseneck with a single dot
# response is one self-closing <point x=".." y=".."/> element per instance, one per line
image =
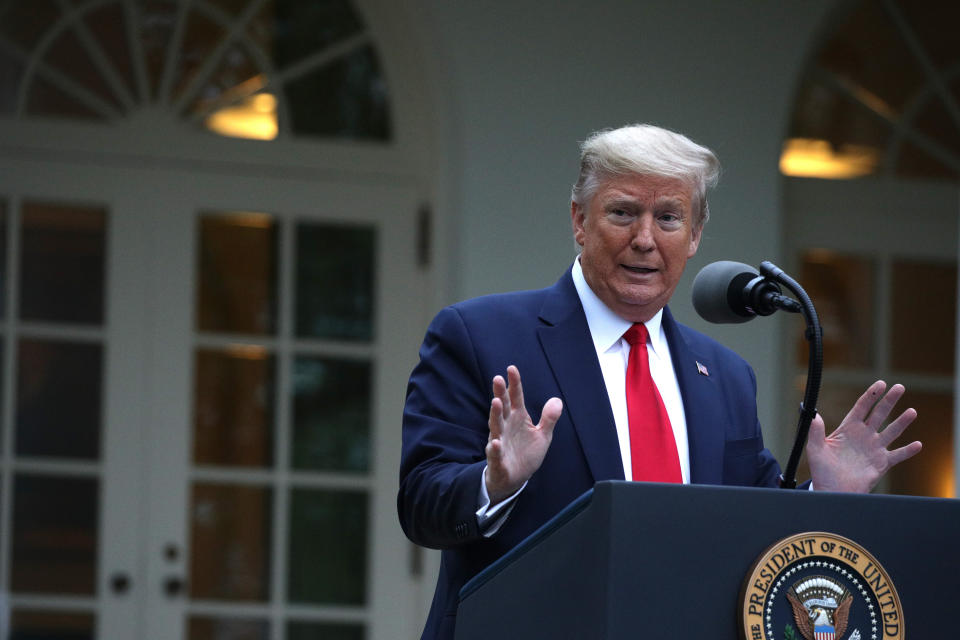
<point x="814" y="335"/>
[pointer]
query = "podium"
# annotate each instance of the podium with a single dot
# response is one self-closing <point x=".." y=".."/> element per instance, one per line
<point x="645" y="560"/>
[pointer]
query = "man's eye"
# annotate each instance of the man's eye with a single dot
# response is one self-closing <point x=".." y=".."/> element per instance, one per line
<point x="620" y="215"/>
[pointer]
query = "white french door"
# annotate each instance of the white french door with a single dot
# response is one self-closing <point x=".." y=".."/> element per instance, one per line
<point x="250" y="362"/>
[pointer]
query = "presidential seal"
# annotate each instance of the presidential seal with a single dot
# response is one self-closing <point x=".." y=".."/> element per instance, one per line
<point x="819" y="586"/>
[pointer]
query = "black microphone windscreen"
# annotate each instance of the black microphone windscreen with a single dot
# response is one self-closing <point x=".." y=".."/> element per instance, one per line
<point x="717" y="292"/>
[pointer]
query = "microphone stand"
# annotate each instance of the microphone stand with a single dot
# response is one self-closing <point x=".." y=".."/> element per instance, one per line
<point x="814" y="335"/>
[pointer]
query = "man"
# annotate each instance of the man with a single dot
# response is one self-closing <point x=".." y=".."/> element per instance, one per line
<point x="478" y="475"/>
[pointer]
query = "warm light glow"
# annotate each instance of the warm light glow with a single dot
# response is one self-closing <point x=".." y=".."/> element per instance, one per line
<point x="809" y="158"/>
<point x="248" y="351"/>
<point x="947" y="488"/>
<point x="254" y="117"/>
<point x="819" y="256"/>
<point x="249" y="219"/>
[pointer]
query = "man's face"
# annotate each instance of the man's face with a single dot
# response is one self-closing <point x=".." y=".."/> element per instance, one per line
<point x="637" y="234"/>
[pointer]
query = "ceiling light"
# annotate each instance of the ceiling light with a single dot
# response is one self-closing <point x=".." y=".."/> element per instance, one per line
<point x="254" y="117"/>
<point x="811" y="158"/>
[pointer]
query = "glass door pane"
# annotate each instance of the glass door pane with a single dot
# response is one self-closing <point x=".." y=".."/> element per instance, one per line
<point x="28" y="624"/>
<point x="236" y="273"/>
<point x="331" y="414"/>
<point x="58" y="398"/>
<point x="54" y="535"/>
<point x="335" y="267"/>
<point x="234" y="406"/>
<point x="230" y="542"/>
<point x="62" y="263"/>
<point x="328" y="547"/>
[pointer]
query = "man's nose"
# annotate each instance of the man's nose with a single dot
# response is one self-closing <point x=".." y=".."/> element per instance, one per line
<point x="642" y="239"/>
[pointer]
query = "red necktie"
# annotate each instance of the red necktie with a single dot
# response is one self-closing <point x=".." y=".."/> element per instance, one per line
<point x="653" y="450"/>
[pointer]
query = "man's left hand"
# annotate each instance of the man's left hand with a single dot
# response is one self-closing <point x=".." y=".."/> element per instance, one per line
<point x="855" y="456"/>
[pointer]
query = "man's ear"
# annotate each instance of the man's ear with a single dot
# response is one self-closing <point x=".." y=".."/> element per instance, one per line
<point x="695" y="236"/>
<point x="577" y="216"/>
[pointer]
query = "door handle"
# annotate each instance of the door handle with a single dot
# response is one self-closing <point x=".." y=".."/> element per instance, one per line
<point x="120" y="582"/>
<point x="174" y="586"/>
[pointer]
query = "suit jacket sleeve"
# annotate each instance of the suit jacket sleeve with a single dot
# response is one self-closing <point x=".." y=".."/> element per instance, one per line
<point x="747" y="462"/>
<point x="445" y="433"/>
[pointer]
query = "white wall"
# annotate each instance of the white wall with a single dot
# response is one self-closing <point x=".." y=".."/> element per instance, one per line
<point x="521" y="83"/>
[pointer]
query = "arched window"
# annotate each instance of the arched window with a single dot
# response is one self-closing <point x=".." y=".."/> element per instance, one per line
<point x="880" y="95"/>
<point x="257" y="69"/>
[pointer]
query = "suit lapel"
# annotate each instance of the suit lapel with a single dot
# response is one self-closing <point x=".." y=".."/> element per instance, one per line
<point x="568" y="347"/>
<point x="702" y="404"/>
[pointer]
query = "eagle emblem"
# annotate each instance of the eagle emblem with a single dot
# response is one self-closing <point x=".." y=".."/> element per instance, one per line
<point x="821" y="607"/>
<point x="817" y="585"/>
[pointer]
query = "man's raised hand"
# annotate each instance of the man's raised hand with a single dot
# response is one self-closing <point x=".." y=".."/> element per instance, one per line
<point x="855" y="456"/>
<point x="516" y="447"/>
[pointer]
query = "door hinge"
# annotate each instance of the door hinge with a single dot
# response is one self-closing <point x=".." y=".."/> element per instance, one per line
<point x="424" y="235"/>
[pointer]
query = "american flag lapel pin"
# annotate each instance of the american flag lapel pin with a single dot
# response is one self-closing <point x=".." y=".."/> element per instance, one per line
<point x="702" y="370"/>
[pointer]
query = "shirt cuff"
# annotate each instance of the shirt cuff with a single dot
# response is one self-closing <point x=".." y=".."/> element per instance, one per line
<point x="491" y="518"/>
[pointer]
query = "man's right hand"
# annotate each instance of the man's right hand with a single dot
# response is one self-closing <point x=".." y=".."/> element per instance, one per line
<point x="516" y="447"/>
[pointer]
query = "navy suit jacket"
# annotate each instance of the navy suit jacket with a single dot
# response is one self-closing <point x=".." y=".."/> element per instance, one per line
<point x="545" y="334"/>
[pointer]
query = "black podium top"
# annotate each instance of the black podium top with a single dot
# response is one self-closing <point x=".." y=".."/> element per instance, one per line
<point x="631" y="560"/>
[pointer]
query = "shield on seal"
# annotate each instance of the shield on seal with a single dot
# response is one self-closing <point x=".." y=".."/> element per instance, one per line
<point x="823" y="633"/>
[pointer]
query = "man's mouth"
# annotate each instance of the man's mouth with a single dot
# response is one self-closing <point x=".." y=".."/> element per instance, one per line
<point x="640" y="270"/>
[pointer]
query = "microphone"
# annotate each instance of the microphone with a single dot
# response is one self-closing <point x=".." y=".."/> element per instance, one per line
<point x="729" y="292"/>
